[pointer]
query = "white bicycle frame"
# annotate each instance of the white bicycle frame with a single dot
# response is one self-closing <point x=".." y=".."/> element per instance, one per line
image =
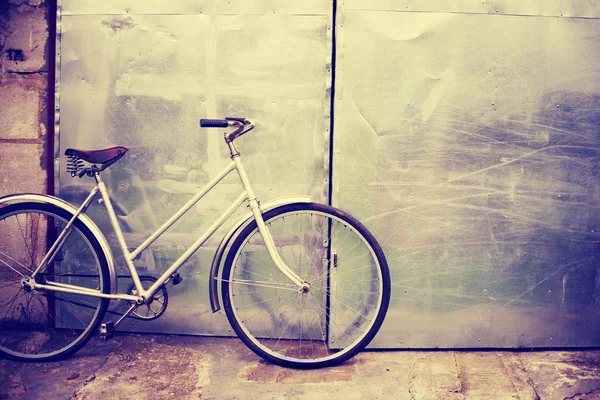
<point x="144" y="295"/>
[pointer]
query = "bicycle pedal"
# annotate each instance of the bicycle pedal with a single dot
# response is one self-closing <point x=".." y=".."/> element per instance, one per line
<point x="176" y="279"/>
<point x="107" y="331"/>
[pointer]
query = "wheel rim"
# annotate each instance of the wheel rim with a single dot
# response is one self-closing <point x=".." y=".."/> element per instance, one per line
<point x="331" y="317"/>
<point x="43" y="324"/>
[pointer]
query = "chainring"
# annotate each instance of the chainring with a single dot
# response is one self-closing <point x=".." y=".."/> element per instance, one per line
<point x="156" y="307"/>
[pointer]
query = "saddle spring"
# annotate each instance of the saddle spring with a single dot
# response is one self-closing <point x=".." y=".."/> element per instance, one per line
<point x="74" y="165"/>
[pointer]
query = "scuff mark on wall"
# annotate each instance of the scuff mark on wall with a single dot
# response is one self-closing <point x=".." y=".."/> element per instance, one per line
<point x="119" y="23"/>
<point x="443" y="85"/>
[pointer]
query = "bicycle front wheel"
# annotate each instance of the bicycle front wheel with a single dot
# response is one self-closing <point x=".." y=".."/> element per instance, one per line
<point x="339" y="309"/>
<point x="44" y="325"/>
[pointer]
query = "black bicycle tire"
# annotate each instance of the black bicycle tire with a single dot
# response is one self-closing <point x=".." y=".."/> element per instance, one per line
<point x="104" y="276"/>
<point x="356" y="224"/>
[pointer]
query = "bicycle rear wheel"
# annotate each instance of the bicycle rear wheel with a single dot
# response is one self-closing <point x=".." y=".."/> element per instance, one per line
<point x="344" y="301"/>
<point x="43" y="325"/>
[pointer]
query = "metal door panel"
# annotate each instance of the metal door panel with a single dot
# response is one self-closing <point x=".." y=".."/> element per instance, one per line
<point x="143" y="81"/>
<point x="470" y="145"/>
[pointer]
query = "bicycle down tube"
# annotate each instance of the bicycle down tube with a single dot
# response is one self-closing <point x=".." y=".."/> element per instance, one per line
<point x="129" y="257"/>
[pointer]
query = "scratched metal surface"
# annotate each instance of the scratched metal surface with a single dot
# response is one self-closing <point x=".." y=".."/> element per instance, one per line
<point x="470" y="145"/>
<point x="548" y="8"/>
<point x="191" y="7"/>
<point x="141" y="75"/>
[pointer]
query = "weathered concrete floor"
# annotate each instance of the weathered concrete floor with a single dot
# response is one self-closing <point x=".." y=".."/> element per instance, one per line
<point x="182" y="367"/>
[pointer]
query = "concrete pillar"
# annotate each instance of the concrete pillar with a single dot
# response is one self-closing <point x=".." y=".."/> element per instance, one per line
<point x="24" y="143"/>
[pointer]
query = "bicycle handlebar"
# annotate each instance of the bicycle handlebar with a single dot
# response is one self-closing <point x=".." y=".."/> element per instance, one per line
<point x="242" y="126"/>
<point x="223" y="123"/>
<point x="214" y="123"/>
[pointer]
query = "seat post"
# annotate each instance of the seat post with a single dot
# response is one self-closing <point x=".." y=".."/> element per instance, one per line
<point x="98" y="178"/>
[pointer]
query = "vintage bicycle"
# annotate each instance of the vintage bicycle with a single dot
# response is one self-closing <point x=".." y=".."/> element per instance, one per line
<point x="303" y="284"/>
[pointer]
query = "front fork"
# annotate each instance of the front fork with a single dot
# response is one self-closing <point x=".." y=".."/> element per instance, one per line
<point x="272" y="249"/>
<point x="262" y="228"/>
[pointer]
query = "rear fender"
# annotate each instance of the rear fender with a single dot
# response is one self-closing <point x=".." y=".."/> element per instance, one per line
<point x="229" y="238"/>
<point x="45" y="199"/>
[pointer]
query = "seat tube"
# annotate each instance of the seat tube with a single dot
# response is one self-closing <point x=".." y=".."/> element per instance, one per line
<point x="262" y="228"/>
<point x="112" y="216"/>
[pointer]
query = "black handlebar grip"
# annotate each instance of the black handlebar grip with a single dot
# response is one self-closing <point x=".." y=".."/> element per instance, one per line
<point x="214" y="123"/>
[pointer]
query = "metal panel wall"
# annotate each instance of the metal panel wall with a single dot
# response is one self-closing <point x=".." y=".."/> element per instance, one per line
<point x="141" y="74"/>
<point x="466" y="137"/>
<point x="469" y="143"/>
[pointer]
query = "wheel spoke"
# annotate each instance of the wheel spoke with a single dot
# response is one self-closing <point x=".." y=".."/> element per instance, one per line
<point x="6" y="264"/>
<point x="6" y="255"/>
<point x="261" y="284"/>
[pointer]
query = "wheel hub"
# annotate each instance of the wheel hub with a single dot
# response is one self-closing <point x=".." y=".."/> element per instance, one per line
<point x="305" y="288"/>
<point x="26" y="284"/>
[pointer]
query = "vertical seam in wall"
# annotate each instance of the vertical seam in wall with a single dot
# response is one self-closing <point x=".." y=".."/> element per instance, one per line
<point x="332" y="100"/>
<point x="56" y="95"/>
<point x="50" y="96"/>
